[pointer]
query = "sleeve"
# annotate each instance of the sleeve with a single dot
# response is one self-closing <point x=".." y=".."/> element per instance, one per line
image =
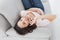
<point x="23" y="13"/>
<point x="43" y="23"/>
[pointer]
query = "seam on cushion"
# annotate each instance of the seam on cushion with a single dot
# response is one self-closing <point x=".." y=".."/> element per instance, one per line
<point x="5" y="18"/>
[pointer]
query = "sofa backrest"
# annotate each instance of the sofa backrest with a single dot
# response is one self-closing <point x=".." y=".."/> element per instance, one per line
<point x="10" y="9"/>
<point x="4" y="25"/>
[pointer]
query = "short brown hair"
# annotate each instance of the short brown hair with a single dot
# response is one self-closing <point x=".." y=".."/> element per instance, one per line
<point x="25" y="30"/>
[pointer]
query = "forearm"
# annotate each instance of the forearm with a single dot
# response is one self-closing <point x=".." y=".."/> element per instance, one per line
<point x="38" y="10"/>
<point x="48" y="17"/>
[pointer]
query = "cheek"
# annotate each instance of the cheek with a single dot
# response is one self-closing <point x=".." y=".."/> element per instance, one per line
<point x="19" y="23"/>
<point x="26" y="23"/>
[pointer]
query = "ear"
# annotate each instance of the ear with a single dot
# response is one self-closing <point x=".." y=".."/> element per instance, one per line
<point x="49" y="17"/>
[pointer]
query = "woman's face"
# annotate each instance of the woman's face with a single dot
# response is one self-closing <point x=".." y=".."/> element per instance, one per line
<point x="31" y="15"/>
<point x="23" y="22"/>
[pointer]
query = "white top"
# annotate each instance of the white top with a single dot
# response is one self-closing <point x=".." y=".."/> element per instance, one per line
<point x="36" y="14"/>
<point x="40" y="22"/>
<point x="24" y="12"/>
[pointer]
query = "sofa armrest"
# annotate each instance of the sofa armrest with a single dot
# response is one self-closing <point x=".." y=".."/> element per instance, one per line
<point x="4" y="24"/>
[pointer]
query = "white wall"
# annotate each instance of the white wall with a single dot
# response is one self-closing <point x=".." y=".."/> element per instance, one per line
<point x="55" y="8"/>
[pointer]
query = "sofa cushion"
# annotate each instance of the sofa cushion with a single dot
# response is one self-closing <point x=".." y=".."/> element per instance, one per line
<point x="4" y="25"/>
<point x="9" y="8"/>
<point x="38" y="33"/>
<point x="20" y="5"/>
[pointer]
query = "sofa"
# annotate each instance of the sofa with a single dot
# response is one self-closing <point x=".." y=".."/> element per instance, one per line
<point x="9" y="14"/>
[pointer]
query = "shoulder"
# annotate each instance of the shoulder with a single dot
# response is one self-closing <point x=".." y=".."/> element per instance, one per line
<point x="23" y="13"/>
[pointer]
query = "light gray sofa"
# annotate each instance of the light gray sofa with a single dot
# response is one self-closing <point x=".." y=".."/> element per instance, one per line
<point x="9" y="11"/>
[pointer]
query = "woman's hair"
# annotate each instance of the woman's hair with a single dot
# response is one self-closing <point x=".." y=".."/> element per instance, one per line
<point x="25" y="30"/>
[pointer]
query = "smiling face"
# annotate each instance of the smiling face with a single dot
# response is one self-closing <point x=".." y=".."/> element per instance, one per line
<point x="23" y="26"/>
<point x="26" y="20"/>
<point x="23" y="22"/>
<point x="30" y="15"/>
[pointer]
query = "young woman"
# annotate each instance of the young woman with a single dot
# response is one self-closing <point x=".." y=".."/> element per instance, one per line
<point x="32" y="16"/>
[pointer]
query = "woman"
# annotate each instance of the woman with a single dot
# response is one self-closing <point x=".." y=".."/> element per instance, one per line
<point x="31" y="17"/>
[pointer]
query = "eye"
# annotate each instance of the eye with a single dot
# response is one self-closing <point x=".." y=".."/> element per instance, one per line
<point x="31" y="20"/>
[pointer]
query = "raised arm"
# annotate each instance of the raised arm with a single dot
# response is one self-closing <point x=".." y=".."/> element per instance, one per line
<point x="49" y="17"/>
<point x="39" y="11"/>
